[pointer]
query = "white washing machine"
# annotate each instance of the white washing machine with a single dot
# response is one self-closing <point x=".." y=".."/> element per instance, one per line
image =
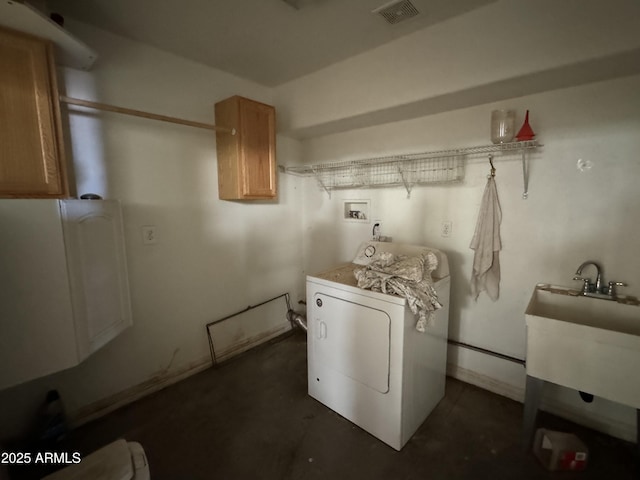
<point x="366" y="360"/>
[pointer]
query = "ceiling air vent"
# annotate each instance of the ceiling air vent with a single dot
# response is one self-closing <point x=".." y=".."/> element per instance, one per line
<point x="397" y="11"/>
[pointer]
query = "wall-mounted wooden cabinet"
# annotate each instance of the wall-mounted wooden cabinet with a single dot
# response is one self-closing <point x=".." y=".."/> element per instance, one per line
<point x="31" y="152"/>
<point x="246" y="160"/>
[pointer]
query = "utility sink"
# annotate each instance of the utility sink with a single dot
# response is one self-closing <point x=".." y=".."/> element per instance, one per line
<point x="585" y="343"/>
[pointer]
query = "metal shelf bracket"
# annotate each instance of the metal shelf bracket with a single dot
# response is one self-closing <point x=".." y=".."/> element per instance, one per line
<point x="320" y="182"/>
<point x="525" y="174"/>
<point x="406" y="184"/>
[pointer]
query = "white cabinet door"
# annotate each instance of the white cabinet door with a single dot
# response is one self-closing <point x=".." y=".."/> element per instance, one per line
<point x="63" y="284"/>
<point x="97" y="271"/>
<point x="37" y="335"/>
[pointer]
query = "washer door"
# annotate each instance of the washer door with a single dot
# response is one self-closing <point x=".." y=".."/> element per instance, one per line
<point x="352" y="339"/>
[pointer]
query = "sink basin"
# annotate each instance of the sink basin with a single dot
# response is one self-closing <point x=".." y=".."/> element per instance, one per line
<point x="589" y="344"/>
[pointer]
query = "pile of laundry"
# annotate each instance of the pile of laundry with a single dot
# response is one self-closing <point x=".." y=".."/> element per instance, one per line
<point x="408" y="277"/>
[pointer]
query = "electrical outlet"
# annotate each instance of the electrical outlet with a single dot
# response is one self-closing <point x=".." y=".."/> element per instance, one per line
<point x="445" y="228"/>
<point x="149" y="235"/>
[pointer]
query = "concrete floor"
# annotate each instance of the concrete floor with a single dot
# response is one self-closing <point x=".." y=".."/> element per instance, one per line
<point x="251" y="418"/>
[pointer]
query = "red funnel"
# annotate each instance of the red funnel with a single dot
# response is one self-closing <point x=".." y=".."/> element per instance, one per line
<point x="525" y="133"/>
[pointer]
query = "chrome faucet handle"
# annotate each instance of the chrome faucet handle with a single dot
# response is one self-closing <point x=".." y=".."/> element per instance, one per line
<point x="586" y="285"/>
<point x="612" y="290"/>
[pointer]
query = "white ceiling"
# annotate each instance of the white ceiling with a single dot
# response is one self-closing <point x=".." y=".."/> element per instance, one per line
<point x="268" y="41"/>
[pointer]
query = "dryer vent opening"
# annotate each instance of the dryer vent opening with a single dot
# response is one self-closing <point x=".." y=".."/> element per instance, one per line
<point x="298" y="320"/>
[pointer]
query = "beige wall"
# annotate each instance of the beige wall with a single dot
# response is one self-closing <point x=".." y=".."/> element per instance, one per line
<point x="435" y="89"/>
<point x="570" y="216"/>
<point x="213" y="257"/>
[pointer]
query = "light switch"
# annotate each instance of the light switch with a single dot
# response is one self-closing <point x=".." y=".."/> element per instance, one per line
<point x="149" y="235"/>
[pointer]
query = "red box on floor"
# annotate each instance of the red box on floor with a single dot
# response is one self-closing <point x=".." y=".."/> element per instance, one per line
<point x="560" y="451"/>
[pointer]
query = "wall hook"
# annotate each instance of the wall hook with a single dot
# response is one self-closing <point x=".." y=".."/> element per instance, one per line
<point x="493" y="169"/>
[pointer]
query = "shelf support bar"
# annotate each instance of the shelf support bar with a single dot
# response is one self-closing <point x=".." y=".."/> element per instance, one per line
<point x="525" y="174"/>
<point x="320" y="182"/>
<point x="404" y="180"/>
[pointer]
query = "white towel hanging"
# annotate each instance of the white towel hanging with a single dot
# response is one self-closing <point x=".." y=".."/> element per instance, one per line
<point x="487" y="245"/>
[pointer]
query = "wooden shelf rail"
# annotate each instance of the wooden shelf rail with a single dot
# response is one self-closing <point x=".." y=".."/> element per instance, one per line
<point x="139" y="113"/>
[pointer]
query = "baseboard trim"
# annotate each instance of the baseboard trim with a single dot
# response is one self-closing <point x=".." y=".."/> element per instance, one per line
<point x="243" y="346"/>
<point x="164" y="379"/>
<point x="485" y="382"/>
<point x="156" y="383"/>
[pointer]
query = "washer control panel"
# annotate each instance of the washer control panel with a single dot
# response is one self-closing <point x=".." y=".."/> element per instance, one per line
<point x="367" y="250"/>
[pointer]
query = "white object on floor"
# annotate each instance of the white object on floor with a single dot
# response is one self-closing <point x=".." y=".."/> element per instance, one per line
<point x="120" y="460"/>
<point x="487" y="245"/>
<point x="366" y="360"/>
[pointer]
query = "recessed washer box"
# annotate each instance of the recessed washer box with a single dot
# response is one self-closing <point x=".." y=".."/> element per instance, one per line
<point x="357" y="211"/>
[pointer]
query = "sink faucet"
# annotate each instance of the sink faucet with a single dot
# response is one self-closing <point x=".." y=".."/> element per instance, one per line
<point x="588" y="286"/>
<point x="597" y="290"/>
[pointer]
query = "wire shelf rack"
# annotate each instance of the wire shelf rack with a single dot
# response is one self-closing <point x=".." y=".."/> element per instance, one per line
<point x="443" y="166"/>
